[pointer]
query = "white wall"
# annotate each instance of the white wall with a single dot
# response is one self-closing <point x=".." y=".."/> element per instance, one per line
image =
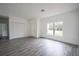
<point x="38" y="28"/>
<point x="34" y="29"/>
<point x="71" y="27"/>
<point x="18" y="27"/>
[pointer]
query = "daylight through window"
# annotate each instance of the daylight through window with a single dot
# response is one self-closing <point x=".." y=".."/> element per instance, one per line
<point x="55" y="29"/>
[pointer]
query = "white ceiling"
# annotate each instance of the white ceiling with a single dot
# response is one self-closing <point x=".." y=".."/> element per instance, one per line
<point x="32" y="10"/>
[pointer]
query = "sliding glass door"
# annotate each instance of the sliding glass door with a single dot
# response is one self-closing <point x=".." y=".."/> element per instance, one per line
<point x="55" y="29"/>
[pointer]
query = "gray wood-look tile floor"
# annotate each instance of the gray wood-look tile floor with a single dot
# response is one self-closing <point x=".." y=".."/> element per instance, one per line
<point x="35" y="47"/>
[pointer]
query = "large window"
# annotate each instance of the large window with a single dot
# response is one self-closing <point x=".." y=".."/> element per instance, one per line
<point x="55" y="29"/>
<point x="58" y="28"/>
<point x="50" y="28"/>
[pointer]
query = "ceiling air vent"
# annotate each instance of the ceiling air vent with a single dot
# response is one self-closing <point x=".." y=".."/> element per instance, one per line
<point x="42" y="10"/>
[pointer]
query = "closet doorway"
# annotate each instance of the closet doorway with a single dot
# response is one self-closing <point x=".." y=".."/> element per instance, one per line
<point x="3" y="31"/>
<point x="4" y="27"/>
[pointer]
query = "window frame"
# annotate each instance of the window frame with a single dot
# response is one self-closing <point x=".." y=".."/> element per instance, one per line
<point x="54" y="29"/>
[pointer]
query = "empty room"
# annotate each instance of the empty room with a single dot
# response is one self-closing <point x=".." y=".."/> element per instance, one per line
<point x="39" y="29"/>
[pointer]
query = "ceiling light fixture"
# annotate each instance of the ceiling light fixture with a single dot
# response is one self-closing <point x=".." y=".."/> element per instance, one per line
<point x="42" y="10"/>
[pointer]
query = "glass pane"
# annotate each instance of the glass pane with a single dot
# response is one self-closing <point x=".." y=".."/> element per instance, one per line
<point x="58" y="29"/>
<point x="50" y="28"/>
